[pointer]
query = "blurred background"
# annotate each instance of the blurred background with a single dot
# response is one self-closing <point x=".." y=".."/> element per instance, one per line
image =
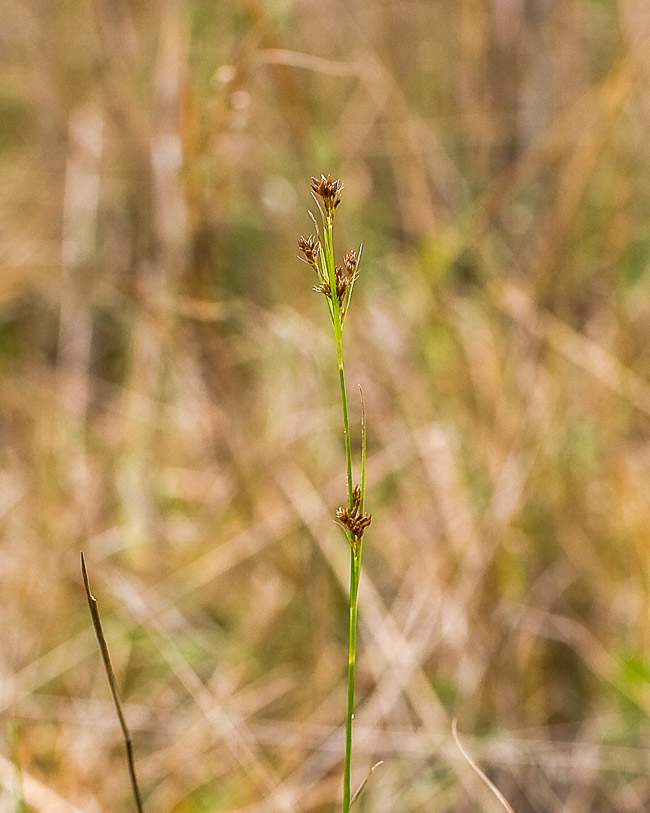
<point x="170" y="405"/>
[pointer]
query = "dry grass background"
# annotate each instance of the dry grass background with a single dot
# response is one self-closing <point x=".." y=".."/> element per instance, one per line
<point x="169" y="401"/>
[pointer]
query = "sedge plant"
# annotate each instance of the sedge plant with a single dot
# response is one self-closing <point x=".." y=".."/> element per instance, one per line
<point x="336" y="283"/>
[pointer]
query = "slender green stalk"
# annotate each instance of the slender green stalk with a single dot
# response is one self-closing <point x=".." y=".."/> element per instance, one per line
<point x="346" y="420"/>
<point x="355" y="573"/>
<point x="364" y="440"/>
<point x="337" y="282"/>
<point x="356" y="551"/>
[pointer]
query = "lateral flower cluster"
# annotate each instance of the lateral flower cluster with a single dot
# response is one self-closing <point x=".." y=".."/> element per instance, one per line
<point x="318" y="252"/>
<point x="354" y="519"/>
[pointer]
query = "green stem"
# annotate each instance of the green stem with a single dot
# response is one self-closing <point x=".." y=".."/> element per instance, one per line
<point x="337" y="321"/>
<point x="362" y="484"/>
<point x="355" y="567"/>
<point x="355" y="572"/>
<point x="329" y="268"/>
<point x="346" y="420"/>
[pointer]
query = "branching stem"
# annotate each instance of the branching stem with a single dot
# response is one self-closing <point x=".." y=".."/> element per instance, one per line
<point x="355" y="549"/>
<point x="337" y="283"/>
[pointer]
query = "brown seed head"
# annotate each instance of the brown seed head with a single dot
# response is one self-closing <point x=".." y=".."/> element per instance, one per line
<point x="342" y="283"/>
<point x="354" y="520"/>
<point x="323" y="288"/>
<point x="329" y="191"/>
<point x="309" y="247"/>
<point x="351" y="262"/>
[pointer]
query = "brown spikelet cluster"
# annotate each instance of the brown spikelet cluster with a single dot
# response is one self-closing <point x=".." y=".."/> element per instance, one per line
<point x="345" y="277"/>
<point x="353" y="519"/>
<point x="329" y="191"/>
<point x="351" y="262"/>
<point x="309" y="247"/>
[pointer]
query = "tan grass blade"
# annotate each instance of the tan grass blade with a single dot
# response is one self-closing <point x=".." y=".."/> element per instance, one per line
<point x="359" y="790"/>
<point x="495" y="790"/>
<point x="106" y="658"/>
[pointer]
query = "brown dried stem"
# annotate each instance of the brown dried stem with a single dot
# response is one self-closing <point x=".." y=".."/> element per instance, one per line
<point x="108" y="668"/>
